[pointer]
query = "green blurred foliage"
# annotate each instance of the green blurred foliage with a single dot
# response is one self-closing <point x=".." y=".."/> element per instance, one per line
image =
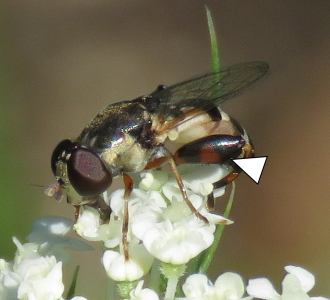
<point x="16" y="212"/>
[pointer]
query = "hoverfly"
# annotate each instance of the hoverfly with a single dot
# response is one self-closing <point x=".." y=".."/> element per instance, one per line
<point x="130" y="136"/>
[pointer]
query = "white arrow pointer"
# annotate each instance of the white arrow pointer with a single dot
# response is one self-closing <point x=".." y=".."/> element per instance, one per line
<point x="252" y="166"/>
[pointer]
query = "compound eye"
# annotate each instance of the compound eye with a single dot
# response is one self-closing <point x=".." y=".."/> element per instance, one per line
<point x="62" y="148"/>
<point x="87" y="173"/>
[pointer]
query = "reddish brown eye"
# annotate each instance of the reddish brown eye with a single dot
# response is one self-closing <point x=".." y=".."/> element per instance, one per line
<point x="87" y="173"/>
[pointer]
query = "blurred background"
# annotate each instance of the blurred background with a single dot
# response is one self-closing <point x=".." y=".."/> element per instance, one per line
<point x="62" y="61"/>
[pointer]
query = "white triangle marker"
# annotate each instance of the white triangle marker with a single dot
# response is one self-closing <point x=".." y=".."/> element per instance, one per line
<point x="252" y="166"/>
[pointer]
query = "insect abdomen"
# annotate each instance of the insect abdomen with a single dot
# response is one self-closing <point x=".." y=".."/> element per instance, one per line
<point x="214" y="149"/>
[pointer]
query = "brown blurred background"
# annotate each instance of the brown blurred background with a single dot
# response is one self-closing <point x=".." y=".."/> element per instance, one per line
<point x="62" y="61"/>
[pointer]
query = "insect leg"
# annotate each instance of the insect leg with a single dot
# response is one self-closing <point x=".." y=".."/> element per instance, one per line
<point x="99" y="204"/>
<point x="184" y="191"/>
<point x="129" y="183"/>
<point x="76" y="213"/>
<point x="210" y="202"/>
<point x="169" y="159"/>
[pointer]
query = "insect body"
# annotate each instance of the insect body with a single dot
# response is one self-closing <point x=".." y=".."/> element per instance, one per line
<point x="130" y="136"/>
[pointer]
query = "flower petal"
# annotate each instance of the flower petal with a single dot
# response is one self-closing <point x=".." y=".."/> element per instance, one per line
<point x="177" y="243"/>
<point x="297" y="295"/>
<point x="88" y="224"/>
<point x="229" y="285"/>
<point x="196" y="286"/>
<point x="143" y="294"/>
<point x="262" y="288"/>
<point x="120" y="269"/>
<point x="307" y="279"/>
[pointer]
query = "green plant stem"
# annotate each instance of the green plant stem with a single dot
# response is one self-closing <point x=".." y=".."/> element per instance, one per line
<point x="73" y="285"/>
<point x="209" y="254"/>
<point x="171" y="287"/>
<point x="215" y="55"/>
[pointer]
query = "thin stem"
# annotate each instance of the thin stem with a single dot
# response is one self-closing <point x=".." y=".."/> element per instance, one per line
<point x="172" y="273"/>
<point x="171" y="287"/>
<point x="155" y="277"/>
<point x="214" y="42"/>
<point x="208" y="256"/>
<point x="73" y="285"/>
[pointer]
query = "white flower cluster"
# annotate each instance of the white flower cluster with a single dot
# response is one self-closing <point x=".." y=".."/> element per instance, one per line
<point x="161" y="225"/>
<point x="230" y="286"/>
<point x="35" y="273"/>
<point x="162" y="228"/>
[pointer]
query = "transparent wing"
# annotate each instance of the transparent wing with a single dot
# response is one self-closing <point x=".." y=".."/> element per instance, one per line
<point x="193" y="96"/>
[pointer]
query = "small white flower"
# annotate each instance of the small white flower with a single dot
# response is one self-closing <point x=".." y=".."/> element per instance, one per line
<point x="306" y="279"/>
<point x="90" y="228"/>
<point x="228" y="286"/>
<point x="197" y="286"/>
<point x="295" y="286"/>
<point x="119" y="269"/>
<point x="142" y="294"/>
<point x="88" y="224"/>
<point x="177" y="243"/>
